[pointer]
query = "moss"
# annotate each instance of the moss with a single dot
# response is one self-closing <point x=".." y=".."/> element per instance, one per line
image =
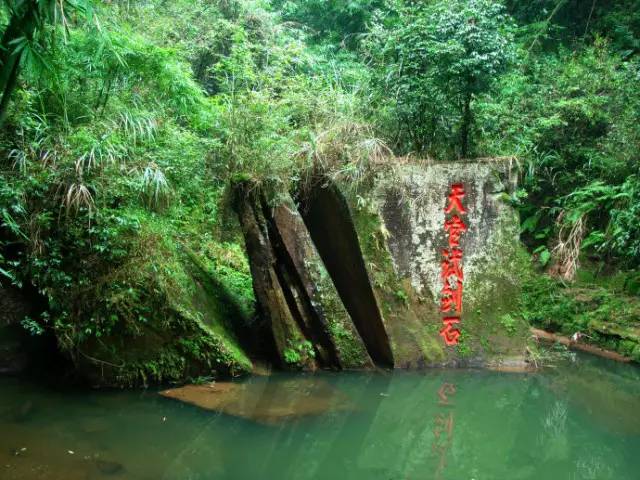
<point x="348" y="343"/>
<point x="326" y="301"/>
<point x="167" y="318"/>
<point x="299" y="352"/>
<point x="635" y="354"/>
<point x="490" y="325"/>
<point x="592" y="305"/>
<point x="492" y="321"/>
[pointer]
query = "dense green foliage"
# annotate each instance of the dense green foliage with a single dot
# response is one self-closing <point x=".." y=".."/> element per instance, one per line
<point x="606" y="309"/>
<point x="128" y="121"/>
<point x="570" y="119"/>
<point x="331" y="21"/>
<point x="26" y="35"/>
<point x="441" y="54"/>
<point x="552" y="83"/>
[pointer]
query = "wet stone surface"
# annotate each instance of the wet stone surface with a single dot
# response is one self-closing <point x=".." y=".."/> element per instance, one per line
<point x="267" y="402"/>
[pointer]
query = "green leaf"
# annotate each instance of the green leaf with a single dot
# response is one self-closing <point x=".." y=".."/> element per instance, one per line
<point x="544" y="257"/>
<point x="6" y="274"/>
<point x="529" y="225"/>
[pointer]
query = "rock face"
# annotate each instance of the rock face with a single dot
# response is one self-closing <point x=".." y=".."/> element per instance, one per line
<point x="270" y="288"/>
<point x="327" y="321"/>
<point x="412" y="207"/>
<point x="401" y="226"/>
<point x="192" y="334"/>
<point x="310" y="326"/>
<point x="368" y="261"/>
<point x="13" y="308"/>
<point x="330" y="224"/>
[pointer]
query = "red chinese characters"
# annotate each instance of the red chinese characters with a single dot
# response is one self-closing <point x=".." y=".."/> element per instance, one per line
<point x="452" y="264"/>
<point x="455" y="227"/>
<point x="449" y="332"/>
<point x="443" y="426"/>
<point x="455" y="199"/>
<point x="451" y="267"/>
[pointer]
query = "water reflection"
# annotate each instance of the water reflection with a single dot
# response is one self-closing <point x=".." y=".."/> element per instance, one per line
<point x="576" y="422"/>
<point x="443" y="427"/>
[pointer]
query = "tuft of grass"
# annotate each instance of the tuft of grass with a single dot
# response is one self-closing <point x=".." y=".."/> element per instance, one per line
<point x="154" y="187"/>
<point x="77" y="197"/>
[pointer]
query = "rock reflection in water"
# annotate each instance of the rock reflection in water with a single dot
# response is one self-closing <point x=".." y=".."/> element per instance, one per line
<point x="600" y="396"/>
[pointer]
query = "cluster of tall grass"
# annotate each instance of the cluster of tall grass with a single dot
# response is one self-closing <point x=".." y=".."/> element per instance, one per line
<point x="118" y="147"/>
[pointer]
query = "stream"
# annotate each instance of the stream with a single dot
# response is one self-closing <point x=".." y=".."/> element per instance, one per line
<point x="577" y="420"/>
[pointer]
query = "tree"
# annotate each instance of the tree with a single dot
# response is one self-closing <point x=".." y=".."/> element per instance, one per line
<point x="27" y="18"/>
<point x="337" y="21"/>
<point x="438" y="57"/>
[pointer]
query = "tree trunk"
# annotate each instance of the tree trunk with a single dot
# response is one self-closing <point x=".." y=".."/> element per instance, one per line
<point x="465" y="128"/>
<point x="21" y="24"/>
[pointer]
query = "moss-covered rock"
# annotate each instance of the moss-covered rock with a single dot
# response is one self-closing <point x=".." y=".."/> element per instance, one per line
<point x="274" y="290"/>
<point x="299" y="303"/>
<point x="329" y="322"/>
<point x="166" y="317"/>
<point x="399" y="217"/>
<point x="363" y="273"/>
<point x="331" y="225"/>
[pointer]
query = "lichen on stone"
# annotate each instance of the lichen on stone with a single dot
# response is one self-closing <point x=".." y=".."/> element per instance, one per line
<point x="400" y="222"/>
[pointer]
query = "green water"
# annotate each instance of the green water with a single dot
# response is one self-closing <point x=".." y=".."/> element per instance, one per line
<point x="580" y="420"/>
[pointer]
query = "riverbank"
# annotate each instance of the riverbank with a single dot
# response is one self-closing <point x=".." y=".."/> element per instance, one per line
<point x="602" y="309"/>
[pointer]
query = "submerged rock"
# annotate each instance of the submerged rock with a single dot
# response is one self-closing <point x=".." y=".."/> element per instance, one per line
<point x="94" y="425"/>
<point x="109" y="468"/>
<point x="268" y="402"/>
<point x="516" y="364"/>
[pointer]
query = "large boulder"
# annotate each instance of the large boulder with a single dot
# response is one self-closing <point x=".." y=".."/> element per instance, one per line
<point x="416" y="264"/>
<point x="310" y="326"/>
<point x="343" y="347"/>
<point x="191" y="328"/>
<point x="271" y="290"/>
<point x="388" y="236"/>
